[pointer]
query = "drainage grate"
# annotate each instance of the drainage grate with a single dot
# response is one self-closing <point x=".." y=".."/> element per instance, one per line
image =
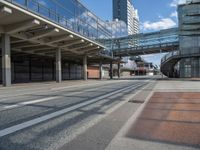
<point x="136" y="101"/>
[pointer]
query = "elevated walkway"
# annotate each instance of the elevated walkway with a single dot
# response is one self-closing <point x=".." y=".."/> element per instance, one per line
<point x="148" y="49"/>
<point x="170" y="60"/>
<point x="145" y="43"/>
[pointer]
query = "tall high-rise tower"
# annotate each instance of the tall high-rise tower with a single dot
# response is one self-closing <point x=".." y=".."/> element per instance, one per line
<point x="124" y="10"/>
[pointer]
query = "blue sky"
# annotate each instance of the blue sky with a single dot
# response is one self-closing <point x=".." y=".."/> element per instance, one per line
<point x="154" y="15"/>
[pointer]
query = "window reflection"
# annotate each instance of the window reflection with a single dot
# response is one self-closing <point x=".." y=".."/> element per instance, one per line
<point x="70" y="14"/>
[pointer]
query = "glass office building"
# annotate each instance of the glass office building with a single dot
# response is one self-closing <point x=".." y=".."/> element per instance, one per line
<point x="124" y="10"/>
<point x="189" y="39"/>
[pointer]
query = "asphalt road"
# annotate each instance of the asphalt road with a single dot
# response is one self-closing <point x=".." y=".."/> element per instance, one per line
<point x="49" y="119"/>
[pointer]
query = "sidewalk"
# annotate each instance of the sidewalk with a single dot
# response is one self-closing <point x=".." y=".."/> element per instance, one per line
<point x="168" y="120"/>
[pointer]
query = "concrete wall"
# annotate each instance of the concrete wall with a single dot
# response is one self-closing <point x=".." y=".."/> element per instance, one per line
<point x="93" y="72"/>
<point x="190" y="67"/>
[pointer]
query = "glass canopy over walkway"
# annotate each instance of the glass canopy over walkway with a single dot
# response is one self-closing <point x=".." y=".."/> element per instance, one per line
<point x="144" y="43"/>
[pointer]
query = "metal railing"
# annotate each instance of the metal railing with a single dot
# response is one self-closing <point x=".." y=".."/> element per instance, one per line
<point x="153" y="46"/>
<point x="169" y="56"/>
<point x="181" y="54"/>
<point x="143" y="40"/>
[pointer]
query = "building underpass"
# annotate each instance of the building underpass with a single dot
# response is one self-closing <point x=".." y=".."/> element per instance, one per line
<point x="38" y="43"/>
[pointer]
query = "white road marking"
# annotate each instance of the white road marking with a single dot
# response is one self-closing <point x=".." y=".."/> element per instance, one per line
<point x="10" y="106"/>
<point x="35" y="121"/>
<point x="39" y="100"/>
<point x="29" y="102"/>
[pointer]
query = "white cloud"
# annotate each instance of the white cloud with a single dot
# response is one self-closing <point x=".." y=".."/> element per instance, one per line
<point x="163" y="23"/>
<point x="147" y="56"/>
<point x="174" y="14"/>
<point x="174" y="3"/>
<point x="42" y="2"/>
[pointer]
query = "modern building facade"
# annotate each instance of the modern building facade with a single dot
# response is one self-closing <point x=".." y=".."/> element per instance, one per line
<point x="118" y="28"/>
<point x="143" y="67"/>
<point x="124" y="10"/>
<point x="185" y="62"/>
<point x="189" y="39"/>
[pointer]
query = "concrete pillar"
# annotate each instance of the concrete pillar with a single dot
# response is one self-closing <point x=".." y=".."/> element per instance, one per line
<point x="111" y="70"/>
<point x="100" y="71"/>
<point x="6" y="60"/>
<point x="118" y="70"/>
<point x="58" y="66"/>
<point x="85" y="67"/>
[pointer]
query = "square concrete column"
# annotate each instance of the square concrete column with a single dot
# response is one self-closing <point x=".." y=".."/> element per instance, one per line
<point x="119" y="70"/>
<point x="58" y="66"/>
<point x="111" y="70"/>
<point x="85" y="67"/>
<point x="6" y="60"/>
<point x="100" y="70"/>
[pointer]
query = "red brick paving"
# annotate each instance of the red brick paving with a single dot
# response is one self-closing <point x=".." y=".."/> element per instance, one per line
<point x="170" y="118"/>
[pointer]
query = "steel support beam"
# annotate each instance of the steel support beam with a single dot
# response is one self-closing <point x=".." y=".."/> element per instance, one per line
<point x="111" y="70"/>
<point x="100" y="70"/>
<point x="37" y="47"/>
<point x="71" y="43"/>
<point x="23" y="45"/>
<point x="6" y="60"/>
<point x="118" y="69"/>
<point x="13" y="28"/>
<point x="85" y="67"/>
<point x="86" y="49"/>
<point x="44" y="33"/>
<point x="59" y="38"/>
<point x="58" y="66"/>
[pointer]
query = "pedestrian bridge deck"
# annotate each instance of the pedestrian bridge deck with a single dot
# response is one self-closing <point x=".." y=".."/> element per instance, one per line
<point x="145" y="43"/>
